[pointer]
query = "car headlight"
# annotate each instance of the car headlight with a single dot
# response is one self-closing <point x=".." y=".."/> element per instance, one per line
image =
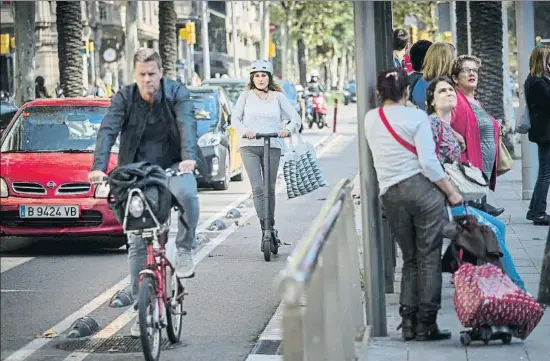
<point x="209" y="140"/>
<point x="102" y="191"/>
<point x="136" y="206"/>
<point x="3" y="188"/>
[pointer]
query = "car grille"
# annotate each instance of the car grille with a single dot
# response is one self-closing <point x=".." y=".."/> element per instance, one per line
<point x="74" y="188"/>
<point x="28" y="188"/>
<point x="88" y="218"/>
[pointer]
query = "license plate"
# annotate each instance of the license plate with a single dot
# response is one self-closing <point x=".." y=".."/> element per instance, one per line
<point x="49" y="212"/>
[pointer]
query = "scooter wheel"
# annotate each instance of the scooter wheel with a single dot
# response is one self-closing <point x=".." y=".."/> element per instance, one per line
<point x="267" y="250"/>
<point x="465" y="339"/>
<point x="507" y="339"/>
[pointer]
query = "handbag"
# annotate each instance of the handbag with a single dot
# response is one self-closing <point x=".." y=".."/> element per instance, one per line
<point x="505" y="161"/>
<point x="469" y="181"/>
<point x="301" y="169"/>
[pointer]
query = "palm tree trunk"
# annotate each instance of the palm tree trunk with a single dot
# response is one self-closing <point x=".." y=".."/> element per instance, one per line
<point x="461" y="27"/>
<point x="544" y="286"/>
<point x="24" y="52"/>
<point x="69" y="37"/>
<point x="302" y="61"/>
<point x="542" y="14"/>
<point x="486" y="27"/>
<point x="168" y="42"/>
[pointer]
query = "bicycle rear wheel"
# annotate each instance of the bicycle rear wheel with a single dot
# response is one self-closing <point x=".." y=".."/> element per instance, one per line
<point x="174" y="312"/>
<point x="148" y="314"/>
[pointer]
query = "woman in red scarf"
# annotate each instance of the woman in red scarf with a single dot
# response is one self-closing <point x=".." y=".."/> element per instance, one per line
<point x="475" y="127"/>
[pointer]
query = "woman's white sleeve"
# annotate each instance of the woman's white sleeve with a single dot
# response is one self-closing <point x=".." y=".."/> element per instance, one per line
<point x="425" y="147"/>
<point x="238" y="113"/>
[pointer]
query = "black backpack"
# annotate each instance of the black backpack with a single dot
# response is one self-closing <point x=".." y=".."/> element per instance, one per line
<point x="153" y="181"/>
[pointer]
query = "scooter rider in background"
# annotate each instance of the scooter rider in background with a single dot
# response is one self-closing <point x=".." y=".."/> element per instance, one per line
<point x="314" y="86"/>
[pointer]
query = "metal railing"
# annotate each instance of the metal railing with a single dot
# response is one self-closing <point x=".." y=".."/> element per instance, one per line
<point x="320" y="286"/>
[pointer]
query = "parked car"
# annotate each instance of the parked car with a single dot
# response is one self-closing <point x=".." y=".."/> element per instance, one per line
<point x="350" y="93"/>
<point x="233" y="87"/>
<point x="46" y="154"/>
<point x="7" y="111"/>
<point x="217" y="139"/>
<point x="291" y="93"/>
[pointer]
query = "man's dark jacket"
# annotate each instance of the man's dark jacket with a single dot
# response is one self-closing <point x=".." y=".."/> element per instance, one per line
<point x="127" y="116"/>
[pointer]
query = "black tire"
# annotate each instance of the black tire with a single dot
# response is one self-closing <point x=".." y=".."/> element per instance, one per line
<point x="310" y="124"/>
<point x="224" y="185"/>
<point x="346" y="102"/>
<point x="507" y="339"/>
<point x="174" y="316"/>
<point x="321" y="122"/>
<point x="267" y="248"/>
<point x="146" y="298"/>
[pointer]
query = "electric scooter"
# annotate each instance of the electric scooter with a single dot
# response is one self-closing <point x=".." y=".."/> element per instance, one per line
<point x="269" y="242"/>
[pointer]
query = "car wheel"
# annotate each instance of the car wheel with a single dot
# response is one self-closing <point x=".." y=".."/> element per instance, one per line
<point x="224" y="185"/>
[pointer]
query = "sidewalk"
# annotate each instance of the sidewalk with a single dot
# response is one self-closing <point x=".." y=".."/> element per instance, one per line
<point x="526" y="243"/>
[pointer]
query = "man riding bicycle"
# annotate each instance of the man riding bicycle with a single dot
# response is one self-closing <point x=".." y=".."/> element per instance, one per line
<point x="156" y="123"/>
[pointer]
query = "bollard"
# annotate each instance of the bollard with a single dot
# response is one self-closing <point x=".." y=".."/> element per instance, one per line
<point x="335" y="115"/>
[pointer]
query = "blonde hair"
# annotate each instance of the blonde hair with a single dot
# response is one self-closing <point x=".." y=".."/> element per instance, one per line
<point x="272" y="85"/>
<point x="540" y="57"/>
<point x="439" y="61"/>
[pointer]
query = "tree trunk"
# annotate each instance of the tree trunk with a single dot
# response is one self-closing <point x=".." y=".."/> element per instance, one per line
<point x="131" y="44"/>
<point x="333" y="71"/>
<point x="342" y="69"/>
<point x="302" y="61"/>
<point x="544" y="285"/>
<point x="69" y="38"/>
<point x="168" y="42"/>
<point x="284" y="50"/>
<point x="486" y="27"/>
<point x="24" y="23"/>
<point x="461" y="27"/>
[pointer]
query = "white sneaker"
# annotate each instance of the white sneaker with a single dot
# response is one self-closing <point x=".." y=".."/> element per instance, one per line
<point x="134" y="330"/>
<point x="185" y="267"/>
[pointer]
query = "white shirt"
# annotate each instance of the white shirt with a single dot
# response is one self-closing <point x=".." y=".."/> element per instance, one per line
<point x="263" y="116"/>
<point x="393" y="162"/>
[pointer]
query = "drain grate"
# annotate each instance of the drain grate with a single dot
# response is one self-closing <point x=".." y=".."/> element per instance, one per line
<point x="115" y="344"/>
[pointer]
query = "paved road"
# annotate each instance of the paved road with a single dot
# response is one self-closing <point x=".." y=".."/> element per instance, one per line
<point x="48" y="285"/>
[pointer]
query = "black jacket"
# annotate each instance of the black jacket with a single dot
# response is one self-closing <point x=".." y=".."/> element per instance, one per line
<point x="537" y="96"/>
<point x="124" y="117"/>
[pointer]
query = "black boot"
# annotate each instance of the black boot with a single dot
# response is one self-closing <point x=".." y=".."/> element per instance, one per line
<point x="275" y="233"/>
<point x="408" y="322"/>
<point x="487" y="208"/>
<point x="427" y="329"/>
<point x="263" y="233"/>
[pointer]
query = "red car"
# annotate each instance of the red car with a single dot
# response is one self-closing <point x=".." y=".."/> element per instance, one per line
<point x="46" y="154"/>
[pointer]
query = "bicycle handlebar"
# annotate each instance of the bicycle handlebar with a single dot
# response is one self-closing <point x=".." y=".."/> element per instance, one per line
<point x="169" y="172"/>
<point x="266" y="135"/>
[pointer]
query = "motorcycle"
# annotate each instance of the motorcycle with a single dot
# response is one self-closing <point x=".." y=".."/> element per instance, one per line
<point x="316" y="110"/>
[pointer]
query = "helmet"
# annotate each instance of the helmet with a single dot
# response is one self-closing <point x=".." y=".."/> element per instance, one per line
<point x="314" y="73"/>
<point x="263" y="66"/>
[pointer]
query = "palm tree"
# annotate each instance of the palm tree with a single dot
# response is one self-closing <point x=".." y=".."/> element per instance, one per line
<point x="461" y="27"/>
<point x="487" y="33"/>
<point x="544" y="286"/>
<point x="168" y="43"/>
<point x="69" y="42"/>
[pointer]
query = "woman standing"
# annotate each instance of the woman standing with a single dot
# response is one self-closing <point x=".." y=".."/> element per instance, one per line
<point x="413" y="189"/>
<point x="537" y="96"/>
<point x="261" y="109"/>
<point x="481" y="132"/>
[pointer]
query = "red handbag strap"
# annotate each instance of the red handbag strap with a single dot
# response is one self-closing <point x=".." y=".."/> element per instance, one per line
<point x="395" y="136"/>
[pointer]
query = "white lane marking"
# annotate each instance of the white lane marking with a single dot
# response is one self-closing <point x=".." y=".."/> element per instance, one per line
<point x="254" y="357"/>
<point x="17" y="291"/>
<point x="29" y="349"/>
<point x="7" y="263"/>
<point x="33" y="346"/>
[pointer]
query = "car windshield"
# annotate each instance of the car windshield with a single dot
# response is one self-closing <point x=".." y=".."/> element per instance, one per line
<point x="206" y="106"/>
<point x="56" y="129"/>
<point x="289" y="90"/>
<point x="233" y="89"/>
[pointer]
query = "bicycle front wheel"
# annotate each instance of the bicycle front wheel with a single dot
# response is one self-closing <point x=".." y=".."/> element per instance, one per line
<point x="149" y="323"/>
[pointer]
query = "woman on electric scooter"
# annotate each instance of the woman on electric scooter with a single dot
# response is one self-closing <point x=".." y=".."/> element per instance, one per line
<point x="263" y="108"/>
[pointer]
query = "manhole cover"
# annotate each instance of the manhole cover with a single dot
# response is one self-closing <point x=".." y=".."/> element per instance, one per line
<point x="115" y="344"/>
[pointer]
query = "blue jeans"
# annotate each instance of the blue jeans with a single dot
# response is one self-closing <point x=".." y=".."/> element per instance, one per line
<point x="499" y="228"/>
<point x="185" y="190"/>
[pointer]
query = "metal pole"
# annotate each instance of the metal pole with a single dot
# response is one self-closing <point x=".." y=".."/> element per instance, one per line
<point x="525" y="30"/>
<point x="92" y="63"/>
<point x="205" y="40"/>
<point x="373" y="252"/>
<point x="132" y="41"/>
<point x="452" y="17"/>
<point x="235" y="40"/>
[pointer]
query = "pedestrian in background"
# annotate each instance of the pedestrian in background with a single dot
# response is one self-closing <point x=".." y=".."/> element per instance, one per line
<point x="417" y="54"/>
<point x="401" y="44"/>
<point x="537" y="97"/>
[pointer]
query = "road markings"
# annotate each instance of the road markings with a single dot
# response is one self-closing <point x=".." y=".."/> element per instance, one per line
<point x="30" y="348"/>
<point x="17" y="291"/>
<point x="7" y="263"/>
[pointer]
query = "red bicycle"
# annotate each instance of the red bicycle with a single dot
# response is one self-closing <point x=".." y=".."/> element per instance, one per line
<point x="161" y="292"/>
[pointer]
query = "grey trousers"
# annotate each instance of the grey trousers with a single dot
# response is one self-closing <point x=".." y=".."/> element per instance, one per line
<point x="185" y="189"/>
<point x="253" y="158"/>
<point x="416" y="213"/>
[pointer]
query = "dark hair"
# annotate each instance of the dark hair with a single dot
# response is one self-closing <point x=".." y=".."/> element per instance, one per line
<point x="272" y="85"/>
<point x="430" y="92"/>
<point x="418" y="53"/>
<point x="400" y="39"/>
<point x="392" y="84"/>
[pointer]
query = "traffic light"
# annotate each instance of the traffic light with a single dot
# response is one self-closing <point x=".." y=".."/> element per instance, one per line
<point x="84" y="48"/>
<point x="184" y="35"/>
<point x="4" y="44"/>
<point x="272" y="48"/>
<point x="191" y="35"/>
